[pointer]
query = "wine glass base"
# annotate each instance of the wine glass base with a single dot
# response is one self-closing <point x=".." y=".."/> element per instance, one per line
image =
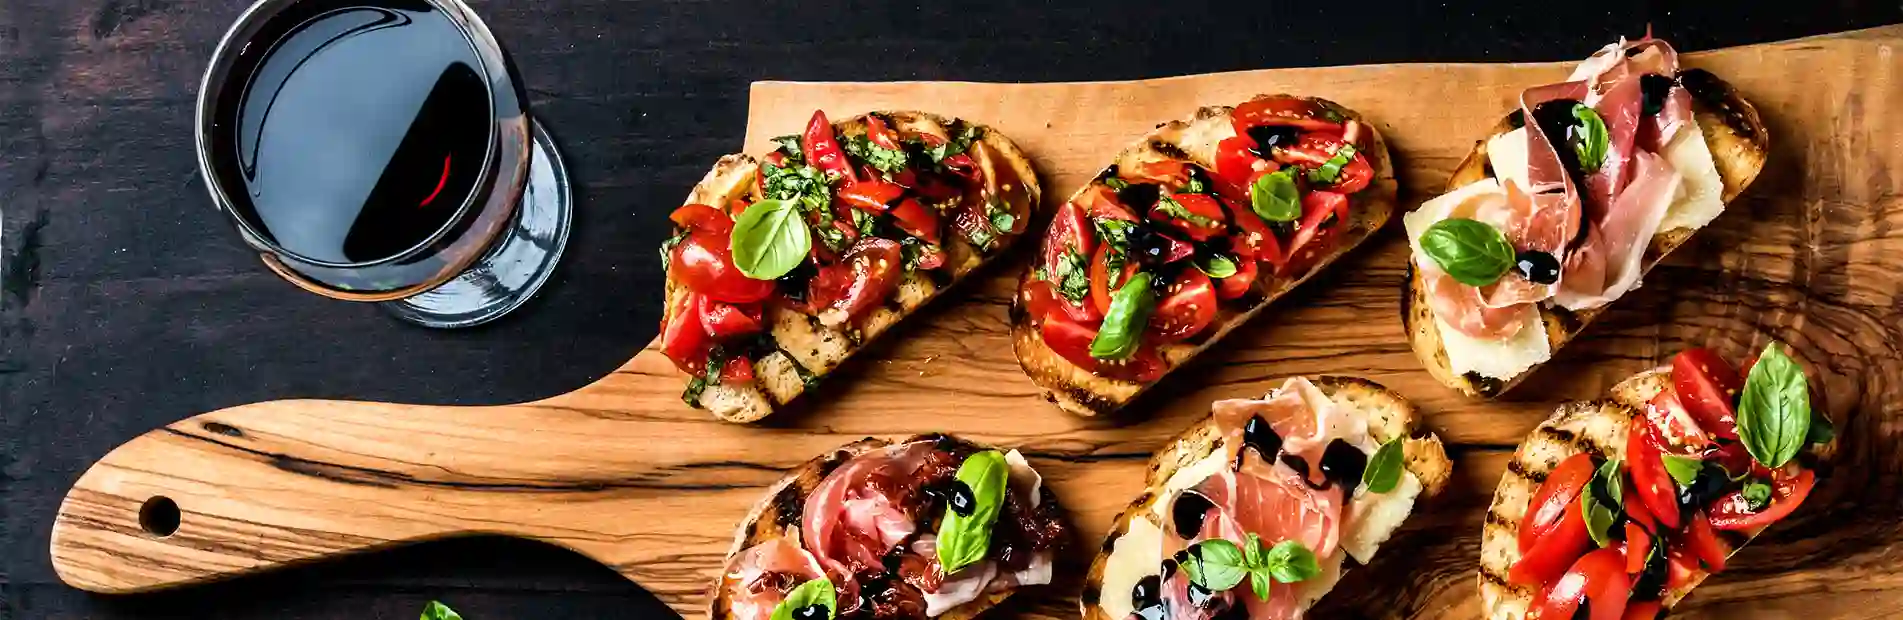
<point x="517" y="265"/>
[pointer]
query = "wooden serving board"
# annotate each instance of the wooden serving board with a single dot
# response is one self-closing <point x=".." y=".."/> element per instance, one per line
<point x="623" y="473"/>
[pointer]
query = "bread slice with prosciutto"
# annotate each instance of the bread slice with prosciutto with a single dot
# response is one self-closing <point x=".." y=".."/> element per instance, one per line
<point x="1563" y="209"/>
<point x="1316" y="475"/>
<point x="782" y="266"/>
<point x="1189" y="233"/>
<point x="875" y="525"/>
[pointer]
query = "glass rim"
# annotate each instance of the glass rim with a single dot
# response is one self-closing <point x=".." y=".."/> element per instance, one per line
<point x="468" y="24"/>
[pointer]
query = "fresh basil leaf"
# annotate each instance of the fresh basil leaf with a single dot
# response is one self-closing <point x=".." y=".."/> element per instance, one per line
<point x="1259" y="582"/>
<point x="884" y="160"/>
<point x="1216" y="564"/>
<point x="1116" y="184"/>
<point x="1123" y="325"/>
<point x="436" y="610"/>
<point x="1599" y="519"/>
<point x="1330" y="171"/>
<point x="1384" y="468"/>
<point x="963" y="539"/>
<point x="1774" y="412"/>
<point x="1274" y="197"/>
<point x="695" y="387"/>
<point x="790" y="145"/>
<point x="814" y="592"/>
<point x="1473" y="252"/>
<point x="1757" y="494"/>
<point x="1684" y="469"/>
<point x="1589" y="138"/>
<point x="1290" y="562"/>
<point x="1113" y="267"/>
<point x="1253" y="554"/>
<point x="769" y="239"/>
<point x="1605" y="485"/>
<point x="1216" y="266"/>
<point x="1611" y="480"/>
<point x="865" y="223"/>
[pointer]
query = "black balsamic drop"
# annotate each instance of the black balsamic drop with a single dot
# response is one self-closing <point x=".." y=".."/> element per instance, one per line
<point x="1653" y="90"/>
<point x="1267" y="137"/>
<point x="1537" y="267"/>
<point x="1169" y="568"/>
<point x="961" y="500"/>
<point x="1343" y="463"/>
<point x="1300" y="464"/>
<point x="1187" y="513"/>
<point x="810" y="612"/>
<point x="1147" y="593"/>
<point x="1258" y="435"/>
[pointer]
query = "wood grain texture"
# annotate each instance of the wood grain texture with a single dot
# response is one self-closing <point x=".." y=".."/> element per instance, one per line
<point x="622" y="473"/>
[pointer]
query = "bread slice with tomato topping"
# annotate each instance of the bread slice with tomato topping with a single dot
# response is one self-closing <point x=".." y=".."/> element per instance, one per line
<point x="1483" y="341"/>
<point x="1135" y="571"/>
<point x="894" y="208"/>
<point x="772" y="552"/>
<point x="1179" y="210"/>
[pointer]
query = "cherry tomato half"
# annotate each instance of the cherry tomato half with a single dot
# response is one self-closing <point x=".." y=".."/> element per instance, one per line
<point x="1100" y="202"/>
<point x="1651" y="484"/>
<point x="1313" y="150"/>
<point x="1070" y="232"/>
<point x="683" y="340"/>
<point x="1301" y="113"/>
<point x="704" y="264"/>
<point x="864" y="276"/>
<point x="1703" y="542"/>
<point x="1187" y="307"/>
<point x="1252" y="239"/>
<point x="1597" y="580"/>
<point x="870" y="196"/>
<point x="822" y="148"/>
<point x="916" y="220"/>
<point x="1638" y="545"/>
<point x="1555" y="498"/>
<point x="1236" y="164"/>
<point x="1071" y="341"/>
<point x="1205" y="216"/>
<point x="1552" y="552"/>
<point x="724" y="321"/>
<point x="1100" y="277"/>
<point x="1236" y="285"/>
<point x="1324" y="215"/>
<point x="737" y="371"/>
<point x="703" y="218"/>
<point x="1676" y="431"/>
<point x="1043" y="303"/>
<point x="1708" y="388"/>
<point x="1789" y="487"/>
<point x="879" y="133"/>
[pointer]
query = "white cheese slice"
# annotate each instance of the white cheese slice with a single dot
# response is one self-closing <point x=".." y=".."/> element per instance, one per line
<point x="1700" y="192"/>
<point x="1373" y="517"/>
<point x="1507" y="153"/>
<point x="1499" y="359"/>
<point x="1137" y="554"/>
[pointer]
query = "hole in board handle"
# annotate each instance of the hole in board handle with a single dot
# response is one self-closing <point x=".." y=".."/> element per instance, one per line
<point x="159" y="516"/>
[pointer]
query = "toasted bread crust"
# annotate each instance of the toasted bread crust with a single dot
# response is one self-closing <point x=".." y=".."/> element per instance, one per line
<point x="1083" y="393"/>
<point x="1739" y="145"/>
<point x="777" y="515"/>
<point x="1595" y="427"/>
<point x="805" y="341"/>
<point x="1389" y="417"/>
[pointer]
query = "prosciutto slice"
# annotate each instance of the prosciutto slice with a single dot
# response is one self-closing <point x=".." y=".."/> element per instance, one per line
<point x="760" y="577"/>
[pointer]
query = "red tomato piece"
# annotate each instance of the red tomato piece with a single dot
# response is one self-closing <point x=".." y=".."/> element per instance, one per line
<point x="1559" y="600"/>
<point x="1555" y="497"/>
<point x="1789" y="487"/>
<point x="1205" y="216"/>
<point x="1236" y="285"/>
<point x="1651" y="484"/>
<point x="1635" y="512"/>
<point x="1681" y="566"/>
<point x="1608" y="587"/>
<point x="1638" y="545"/>
<point x="1170" y="173"/>
<point x="822" y="149"/>
<point x="1676" y="431"/>
<point x="1071" y="341"/>
<point x="704" y="264"/>
<point x="683" y="340"/>
<point x="930" y="256"/>
<point x="871" y="196"/>
<point x="1187" y="307"/>
<point x="862" y="279"/>
<point x="1252" y="239"/>
<point x="1100" y="202"/>
<point x="916" y="220"/>
<point x="1043" y="303"/>
<point x="1301" y="113"/>
<point x="724" y="321"/>
<point x="1070" y="232"/>
<point x="737" y="371"/>
<point x="1708" y="388"/>
<point x="1100" y="277"/>
<point x="1552" y="552"/>
<point x="1703" y="542"/>
<point x="702" y="218"/>
<point x="880" y="133"/>
<point x="1315" y="149"/>
<point x="1324" y="215"/>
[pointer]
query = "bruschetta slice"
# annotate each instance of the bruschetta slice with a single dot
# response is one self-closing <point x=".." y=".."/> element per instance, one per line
<point x="1291" y="490"/>
<point x="1566" y="206"/>
<point x="927" y="527"/>
<point x="1187" y="234"/>
<point x="782" y="266"/>
<point x="1620" y="507"/>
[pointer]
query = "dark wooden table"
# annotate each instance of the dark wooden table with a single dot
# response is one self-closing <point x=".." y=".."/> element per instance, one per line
<point x="126" y="303"/>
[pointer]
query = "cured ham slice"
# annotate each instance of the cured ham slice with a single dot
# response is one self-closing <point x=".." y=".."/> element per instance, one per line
<point x="762" y="575"/>
<point x="1609" y="263"/>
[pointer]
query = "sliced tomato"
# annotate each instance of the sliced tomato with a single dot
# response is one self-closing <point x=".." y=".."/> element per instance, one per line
<point x="862" y="279"/>
<point x="1651" y="484"/>
<point x="1171" y="249"/>
<point x="1703" y="542"/>
<point x="1643" y="610"/>
<point x="1676" y="431"/>
<point x="1708" y="388"/>
<point x="916" y="220"/>
<point x="1636" y="513"/>
<point x="1236" y="285"/>
<point x="1206" y="218"/>
<point x="1597" y="581"/>
<point x="1638" y="545"/>
<point x="1171" y="173"/>
<point x="1070" y="232"/>
<point x="1789" y="487"/>
<point x="704" y="264"/>
<point x="1236" y="164"/>
<point x="683" y="340"/>
<point x="880" y="133"/>
<point x="1681" y="566"/>
<point x="1099" y="201"/>
<point x="1314" y="149"/>
<point x="737" y="371"/>
<point x="1555" y="498"/>
<point x="724" y="321"/>
<point x="1071" y="341"/>
<point x="1043" y="302"/>
<point x="1100" y="277"/>
<point x="1324" y="215"/>
<point x="1559" y="600"/>
<point x="1287" y="110"/>
<point x="871" y="196"/>
<point x="1252" y="238"/>
<point x="822" y="149"/>
<point x="702" y="218"/>
<point x="930" y="256"/>
<point x="1187" y="307"/>
<point x="1552" y="552"/>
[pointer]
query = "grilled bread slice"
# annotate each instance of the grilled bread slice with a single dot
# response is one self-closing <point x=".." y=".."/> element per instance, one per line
<point x="1389" y="417"/>
<point x="1597" y="427"/>
<point x="1081" y="392"/>
<point x="806" y="348"/>
<point x="778" y="516"/>
<point x="1738" y="143"/>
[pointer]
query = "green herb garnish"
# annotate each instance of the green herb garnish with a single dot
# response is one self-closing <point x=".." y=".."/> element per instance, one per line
<point x="1123" y="325"/>
<point x="1774" y="413"/>
<point x="1473" y="252"/>
<point x="963" y="539"/>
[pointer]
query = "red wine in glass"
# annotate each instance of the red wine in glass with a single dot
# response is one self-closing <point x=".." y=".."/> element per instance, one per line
<point x="382" y="151"/>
